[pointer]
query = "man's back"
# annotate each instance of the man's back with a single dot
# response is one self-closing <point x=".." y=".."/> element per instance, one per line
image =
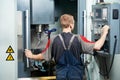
<point x="66" y="50"/>
<point x="58" y="49"/>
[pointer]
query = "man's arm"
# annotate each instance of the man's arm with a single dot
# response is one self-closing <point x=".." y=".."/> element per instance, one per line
<point x="30" y="55"/>
<point x="100" y="42"/>
<point x="39" y="56"/>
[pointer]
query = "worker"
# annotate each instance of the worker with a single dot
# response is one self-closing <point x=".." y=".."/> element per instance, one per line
<point x="66" y="49"/>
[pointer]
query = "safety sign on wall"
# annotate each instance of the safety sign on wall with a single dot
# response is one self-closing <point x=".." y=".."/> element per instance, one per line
<point x="9" y="51"/>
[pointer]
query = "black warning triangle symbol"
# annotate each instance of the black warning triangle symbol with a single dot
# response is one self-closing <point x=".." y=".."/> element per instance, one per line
<point x="9" y="58"/>
<point x="10" y="50"/>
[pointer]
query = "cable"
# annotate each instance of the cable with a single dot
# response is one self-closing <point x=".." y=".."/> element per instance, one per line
<point x="113" y="54"/>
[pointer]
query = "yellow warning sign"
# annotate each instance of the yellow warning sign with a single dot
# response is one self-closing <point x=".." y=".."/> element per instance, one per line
<point x="10" y="58"/>
<point x="10" y="50"/>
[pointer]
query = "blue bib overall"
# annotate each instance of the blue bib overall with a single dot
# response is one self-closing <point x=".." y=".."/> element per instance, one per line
<point x="68" y="66"/>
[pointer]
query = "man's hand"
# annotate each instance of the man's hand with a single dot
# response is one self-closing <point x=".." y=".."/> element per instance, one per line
<point x="28" y="53"/>
<point x="99" y="43"/>
<point x="105" y="29"/>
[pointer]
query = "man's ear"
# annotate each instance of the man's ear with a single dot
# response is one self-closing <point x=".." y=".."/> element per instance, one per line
<point x="71" y="26"/>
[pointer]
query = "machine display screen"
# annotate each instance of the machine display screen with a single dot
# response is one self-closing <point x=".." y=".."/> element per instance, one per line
<point x="101" y="13"/>
<point x="98" y="13"/>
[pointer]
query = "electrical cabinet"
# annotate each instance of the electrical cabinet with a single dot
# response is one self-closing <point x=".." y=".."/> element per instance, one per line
<point x="107" y="14"/>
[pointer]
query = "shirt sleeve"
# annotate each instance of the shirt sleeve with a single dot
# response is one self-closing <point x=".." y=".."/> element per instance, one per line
<point x="87" y="46"/>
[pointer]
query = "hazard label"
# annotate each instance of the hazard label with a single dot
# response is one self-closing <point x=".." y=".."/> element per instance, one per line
<point x="10" y="58"/>
<point x="10" y="50"/>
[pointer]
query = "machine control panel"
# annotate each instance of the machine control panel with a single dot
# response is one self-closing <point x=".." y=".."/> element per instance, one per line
<point x="106" y="14"/>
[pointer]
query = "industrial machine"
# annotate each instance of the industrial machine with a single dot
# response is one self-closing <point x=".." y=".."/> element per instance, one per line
<point x="38" y="22"/>
<point x="106" y="14"/>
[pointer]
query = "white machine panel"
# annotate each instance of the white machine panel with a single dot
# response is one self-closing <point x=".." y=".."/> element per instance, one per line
<point x="8" y="40"/>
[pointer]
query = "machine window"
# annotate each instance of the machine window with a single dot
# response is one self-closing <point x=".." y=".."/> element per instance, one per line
<point x="104" y="13"/>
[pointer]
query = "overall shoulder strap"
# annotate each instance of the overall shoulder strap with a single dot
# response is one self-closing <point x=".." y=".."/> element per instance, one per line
<point x="78" y="36"/>
<point x="62" y="41"/>
<point x="70" y="42"/>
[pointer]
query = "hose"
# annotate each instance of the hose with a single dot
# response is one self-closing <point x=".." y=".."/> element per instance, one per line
<point x="113" y="54"/>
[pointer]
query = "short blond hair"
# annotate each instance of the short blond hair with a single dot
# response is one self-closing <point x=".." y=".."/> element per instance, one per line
<point x="66" y="20"/>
